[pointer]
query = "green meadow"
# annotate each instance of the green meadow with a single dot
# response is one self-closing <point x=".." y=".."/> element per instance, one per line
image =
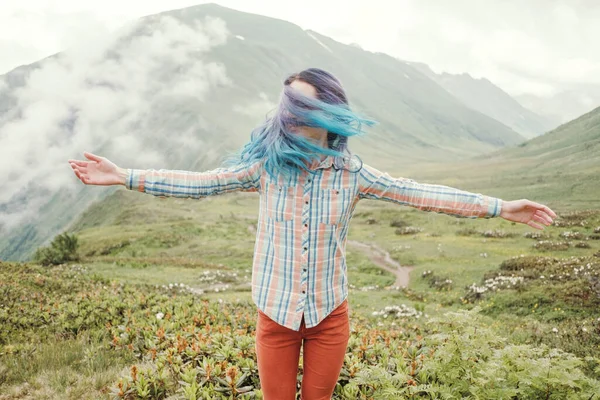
<point x="159" y="306"/>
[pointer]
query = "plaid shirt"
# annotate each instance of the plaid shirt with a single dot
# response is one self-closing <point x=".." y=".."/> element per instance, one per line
<point x="299" y="266"/>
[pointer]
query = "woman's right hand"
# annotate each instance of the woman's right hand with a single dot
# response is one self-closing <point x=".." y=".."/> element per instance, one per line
<point x="98" y="171"/>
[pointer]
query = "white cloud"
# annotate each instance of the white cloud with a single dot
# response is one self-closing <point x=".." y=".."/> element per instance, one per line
<point x="537" y="46"/>
<point x="84" y="100"/>
<point x="258" y="107"/>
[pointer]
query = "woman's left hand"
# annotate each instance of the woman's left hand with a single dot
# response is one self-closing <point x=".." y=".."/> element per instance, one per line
<point x="527" y="212"/>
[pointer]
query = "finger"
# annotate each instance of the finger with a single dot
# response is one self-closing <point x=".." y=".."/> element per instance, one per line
<point x="550" y="212"/>
<point x="541" y="207"/>
<point x="534" y="225"/>
<point x="77" y="173"/>
<point x="545" y="216"/>
<point x="82" y="177"/>
<point x="78" y="168"/>
<point x="92" y="156"/>
<point x="540" y="219"/>
<point x="78" y="162"/>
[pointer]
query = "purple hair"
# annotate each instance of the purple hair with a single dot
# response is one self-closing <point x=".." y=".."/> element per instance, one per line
<point x="284" y="151"/>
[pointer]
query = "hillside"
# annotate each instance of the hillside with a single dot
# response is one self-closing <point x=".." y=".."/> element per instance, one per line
<point x="565" y="105"/>
<point x="487" y="98"/>
<point x="560" y="168"/>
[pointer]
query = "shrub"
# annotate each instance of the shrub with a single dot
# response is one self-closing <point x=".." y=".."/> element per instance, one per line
<point x="522" y="262"/>
<point x="398" y="223"/>
<point x="62" y="249"/>
<point x="546" y="245"/>
<point x="571" y="235"/>
<point x="467" y="232"/>
<point x="408" y="230"/>
<point x="574" y="218"/>
<point x="582" y="245"/>
<point x="437" y="282"/>
<point x="497" y="233"/>
<point x="536" y="235"/>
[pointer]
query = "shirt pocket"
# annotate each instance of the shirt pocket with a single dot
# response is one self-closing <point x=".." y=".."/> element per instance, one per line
<point x="335" y="204"/>
<point x="279" y="201"/>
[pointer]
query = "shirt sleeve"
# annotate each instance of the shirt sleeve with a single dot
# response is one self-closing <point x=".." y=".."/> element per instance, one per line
<point x="377" y="185"/>
<point x="177" y="183"/>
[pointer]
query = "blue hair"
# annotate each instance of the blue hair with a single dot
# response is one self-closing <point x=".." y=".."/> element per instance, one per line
<point x="286" y="152"/>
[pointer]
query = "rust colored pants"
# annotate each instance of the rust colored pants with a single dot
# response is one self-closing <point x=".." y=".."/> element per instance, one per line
<point x="278" y="354"/>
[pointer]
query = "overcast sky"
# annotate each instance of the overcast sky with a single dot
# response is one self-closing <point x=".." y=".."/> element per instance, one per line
<point x="534" y="46"/>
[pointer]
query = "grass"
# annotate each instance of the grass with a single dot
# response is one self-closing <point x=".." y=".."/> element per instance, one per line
<point x="74" y="368"/>
<point x="160" y="241"/>
<point x="191" y="237"/>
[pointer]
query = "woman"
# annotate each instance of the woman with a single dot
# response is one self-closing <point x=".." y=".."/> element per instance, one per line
<point x="299" y="162"/>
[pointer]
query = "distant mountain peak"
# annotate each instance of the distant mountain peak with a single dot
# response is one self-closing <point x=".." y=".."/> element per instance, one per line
<point x="484" y="96"/>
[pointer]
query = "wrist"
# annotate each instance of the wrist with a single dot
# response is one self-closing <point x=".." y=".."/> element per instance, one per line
<point x="502" y="213"/>
<point x="122" y="174"/>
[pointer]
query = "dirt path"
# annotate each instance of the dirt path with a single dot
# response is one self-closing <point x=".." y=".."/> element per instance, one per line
<point x="382" y="259"/>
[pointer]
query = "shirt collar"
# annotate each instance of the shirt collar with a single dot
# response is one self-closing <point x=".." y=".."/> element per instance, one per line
<point x="326" y="163"/>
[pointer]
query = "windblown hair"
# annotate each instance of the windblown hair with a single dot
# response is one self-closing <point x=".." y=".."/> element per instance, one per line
<point x="285" y="152"/>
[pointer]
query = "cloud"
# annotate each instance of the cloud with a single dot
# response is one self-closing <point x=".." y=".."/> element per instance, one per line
<point x="260" y="106"/>
<point x="103" y="97"/>
<point x="535" y="46"/>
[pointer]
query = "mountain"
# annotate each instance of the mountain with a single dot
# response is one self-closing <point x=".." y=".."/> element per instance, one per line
<point x="180" y="89"/>
<point x="574" y="145"/>
<point x="560" y="168"/>
<point x="565" y="105"/>
<point x="487" y="98"/>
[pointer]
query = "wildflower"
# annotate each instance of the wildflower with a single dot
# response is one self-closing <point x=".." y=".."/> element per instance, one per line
<point x="159" y="315"/>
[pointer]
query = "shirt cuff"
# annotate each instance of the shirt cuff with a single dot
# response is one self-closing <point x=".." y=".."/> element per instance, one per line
<point x="494" y="207"/>
<point x="135" y="179"/>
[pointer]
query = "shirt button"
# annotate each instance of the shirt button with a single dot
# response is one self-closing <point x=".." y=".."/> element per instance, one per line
<point x="306" y="225"/>
<point x="304" y="291"/>
<point x="304" y="269"/>
<point x="305" y="248"/>
<point x="306" y="202"/>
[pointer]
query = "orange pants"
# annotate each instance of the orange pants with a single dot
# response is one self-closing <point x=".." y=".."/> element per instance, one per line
<point x="278" y="354"/>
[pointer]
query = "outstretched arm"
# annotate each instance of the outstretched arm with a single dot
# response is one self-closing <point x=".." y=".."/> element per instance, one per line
<point x="176" y="183"/>
<point x="374" y="184"/>
<point x="168" y="183"/>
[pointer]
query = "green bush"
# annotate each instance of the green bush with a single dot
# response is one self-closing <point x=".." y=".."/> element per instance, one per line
<point x="62" y="249"/>
<point x="186" y="346"/>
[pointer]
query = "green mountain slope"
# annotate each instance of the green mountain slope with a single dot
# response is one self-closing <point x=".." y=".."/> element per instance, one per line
<point x="560" y="168"/>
